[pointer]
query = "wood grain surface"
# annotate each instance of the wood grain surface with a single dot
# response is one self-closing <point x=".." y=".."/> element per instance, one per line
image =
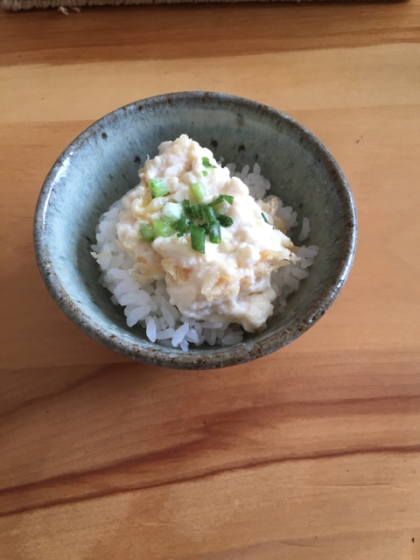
<point x="312" y="453"/>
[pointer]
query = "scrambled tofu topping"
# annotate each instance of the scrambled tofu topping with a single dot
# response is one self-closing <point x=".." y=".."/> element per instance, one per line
<point x="189" y="222"/>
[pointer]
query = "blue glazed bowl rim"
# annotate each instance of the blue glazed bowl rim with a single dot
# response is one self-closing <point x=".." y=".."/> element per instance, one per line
<point x="215" y="357"/>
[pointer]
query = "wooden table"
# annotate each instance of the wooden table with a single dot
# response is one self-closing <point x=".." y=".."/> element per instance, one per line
<point x="310" y="453"/>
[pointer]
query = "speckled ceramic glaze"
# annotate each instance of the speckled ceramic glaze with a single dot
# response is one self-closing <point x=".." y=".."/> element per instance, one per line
<point x="102" y="164"/>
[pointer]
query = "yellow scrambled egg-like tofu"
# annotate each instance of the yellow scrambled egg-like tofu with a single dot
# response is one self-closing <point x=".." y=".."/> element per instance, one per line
<point x="231" y="281"/>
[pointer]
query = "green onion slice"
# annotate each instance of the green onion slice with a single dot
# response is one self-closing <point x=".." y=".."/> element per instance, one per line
<point x="225" y="221"/>
<point x="220" y="199"/>
<point x="209" y="215"/>
<point x="198" y="239"/>
<point x="205" y="173"/>
<point x="197" y="211"/>
<point x="203" y="213"/>
<point x="206" y="163"/>
<point x="147" y="233"/>
<point x="171" y="212"/>
<point x="183" y="225"/>
<point x="158" y="187"/>
<point x="264" y="218"/>
<point x="162" y="229"/>
<point x="199" y="191"/>
<point x="215" y="234"/>
<point x="186" y="207"/>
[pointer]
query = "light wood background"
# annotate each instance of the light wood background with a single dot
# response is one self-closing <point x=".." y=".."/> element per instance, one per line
<point x="312" y="453"/>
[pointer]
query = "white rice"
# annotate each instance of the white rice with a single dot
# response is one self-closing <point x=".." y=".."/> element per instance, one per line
<point x="148" y="304"/>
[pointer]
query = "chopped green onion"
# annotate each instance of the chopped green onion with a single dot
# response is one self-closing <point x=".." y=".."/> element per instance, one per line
<point x="208" y="215"/>
<point x="220" y="199"/>
<point x="264" y="218"/>
<point x="205" y="173"/>
<point x="183" y="225"/>
<point x="171" y="212"/>
<point x="198" y="239"/>
<point x="147" y="233"/>
<point x="161" y="229"/>
<point x="203" y="213"/>
<point x="206" y="163"/>
<point x="158" y="187"/>
<point x="199" y="191"/>
<point x="225" y="221"/>
<point x="186" y="207"/>
<point x="215" y="234"/>
<point x="197" y="211"/>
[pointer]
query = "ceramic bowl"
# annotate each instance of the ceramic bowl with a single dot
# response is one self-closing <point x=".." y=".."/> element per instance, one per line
<point x="102" y="164"/>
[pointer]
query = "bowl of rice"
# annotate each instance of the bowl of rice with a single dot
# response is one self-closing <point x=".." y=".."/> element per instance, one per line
<point x="195" y="230"/>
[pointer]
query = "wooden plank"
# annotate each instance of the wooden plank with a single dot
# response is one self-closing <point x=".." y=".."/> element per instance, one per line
<point x="149" y="33"/>
<point x="181" y="428"/>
